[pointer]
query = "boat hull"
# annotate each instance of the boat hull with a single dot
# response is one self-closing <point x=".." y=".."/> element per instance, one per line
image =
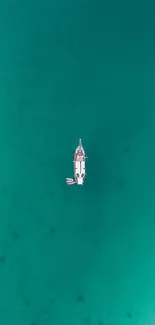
<point x="79" y="164"/>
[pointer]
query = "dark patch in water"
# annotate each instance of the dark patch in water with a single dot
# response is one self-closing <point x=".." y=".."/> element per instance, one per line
<point x="129" y="315"/>
<point x="15" y="235"/>
<point x="80" y="298"/>
<point x="5" y="190"/>
<point x="2" y="259"/>
<point x="100" y="322"/>
<point x="126" y="150"/>
<point x="33" y="322"/>
<point x="52" y="301"/>
<point x="27" y="302"/>
<point x="52" y="230"/>
<point x="87" y="320"/>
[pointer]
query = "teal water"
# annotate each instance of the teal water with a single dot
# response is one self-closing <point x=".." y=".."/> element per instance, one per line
<point x="77" y="255"/>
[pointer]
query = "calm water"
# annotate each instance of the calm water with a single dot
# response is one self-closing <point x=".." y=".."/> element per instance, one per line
<point x="77" y="255"/>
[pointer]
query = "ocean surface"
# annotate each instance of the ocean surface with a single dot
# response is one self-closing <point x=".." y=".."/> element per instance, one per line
<point x="72" y="255"/>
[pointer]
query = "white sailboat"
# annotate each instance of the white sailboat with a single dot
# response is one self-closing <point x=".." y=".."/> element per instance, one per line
<point x="79" y="166"/>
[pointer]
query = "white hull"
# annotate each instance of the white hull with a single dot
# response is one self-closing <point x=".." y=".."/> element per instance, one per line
<point x="79" y="164"/>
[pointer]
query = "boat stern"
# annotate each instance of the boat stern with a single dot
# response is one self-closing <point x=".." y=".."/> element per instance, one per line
<point x="80" y="180"/>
